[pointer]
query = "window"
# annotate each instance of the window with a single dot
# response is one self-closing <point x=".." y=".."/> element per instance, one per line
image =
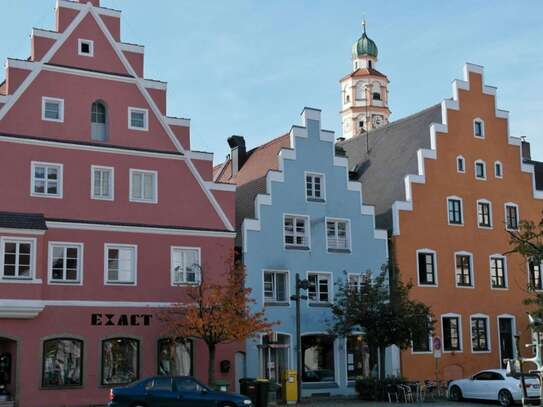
<point x="460" y="164"/>
<point x="46" y="180"/>
<point x="319" y="288"/>
<point x="62" y="363"/>
<point x="52" y="110"/>
<point x="498" y="169"/>
<point x="422" y="341"/>
<point x="479" y="128"/>
<point x="498" y="275"/>
<point x="120" y="361"/>
<point x="85" y="48"/>
<point x="479" y="334"/>
<point x="338" y="235"/>
<point x="464" y="275"/>
<point x="296" y="232"/>
<point x="120" y="264"/>
<point x="357" y="281"/>
<point x="18" y="259"/>
<point x="511" y="216"/>
<point x="143" y="186"/>
<point x="186" y="265"/>
<point x="534" y="275"/>
<point x="175" y="357"/>
<point x="138" y="119"/>
<point x="358" y="358"/>
<point x="484" y="214"/>
<point x="318" y="358"/>
<point x="65" y="262"/>
<point x="376" y="96"/>
<point x="426" y="265"/>
<point x="98" y="121"/>
<point x="102" y="183"/>
<point x="275" y="286"/>
<point x="452" y="341"/>
<point x="480" y="170"/>
<point x="314" y="187"/>
<point x="455" y="211"/>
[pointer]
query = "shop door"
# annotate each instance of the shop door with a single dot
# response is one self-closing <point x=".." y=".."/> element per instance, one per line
<point x="506" y="340"/>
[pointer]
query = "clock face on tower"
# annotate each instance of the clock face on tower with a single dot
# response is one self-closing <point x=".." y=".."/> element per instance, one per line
<point x="377" y="120"/>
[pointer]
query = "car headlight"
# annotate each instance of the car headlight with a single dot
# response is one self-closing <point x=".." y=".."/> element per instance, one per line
<point x="247" y="402"/>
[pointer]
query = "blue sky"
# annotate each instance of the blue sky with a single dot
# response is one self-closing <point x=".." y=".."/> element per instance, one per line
<point x="249" y="66"/>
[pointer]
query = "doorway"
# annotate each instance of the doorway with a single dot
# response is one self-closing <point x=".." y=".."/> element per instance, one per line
<point x="240" y="368"/>
<point x="8" y="361"/>
<point x="506" y="337"/>
<point x="274" y="351"/>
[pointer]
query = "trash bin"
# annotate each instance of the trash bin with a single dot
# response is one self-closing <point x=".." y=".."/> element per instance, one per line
<point x="220" y="385"/>
<point x="256" y="390"/>
<point x="262" y="386"/>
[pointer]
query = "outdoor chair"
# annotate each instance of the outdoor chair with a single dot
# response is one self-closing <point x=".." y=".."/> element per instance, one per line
<point x="392" y="393"/>
<point x="407" y="393"/>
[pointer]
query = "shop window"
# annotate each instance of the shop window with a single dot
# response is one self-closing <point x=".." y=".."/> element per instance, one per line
<point x="62" y="363"/>
<point x="318" y="358"/>
<point x="120" y="361"/>
<point x="358" y="358"/>
<point x="175" y="357"/>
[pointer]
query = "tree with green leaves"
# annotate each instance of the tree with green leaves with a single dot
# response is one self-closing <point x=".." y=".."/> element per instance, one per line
<point x="381" y="309"/>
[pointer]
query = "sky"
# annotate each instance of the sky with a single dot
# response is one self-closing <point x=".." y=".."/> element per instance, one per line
<point x="248" y="67"/>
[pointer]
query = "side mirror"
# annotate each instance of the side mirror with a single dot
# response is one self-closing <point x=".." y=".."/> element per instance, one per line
<point x="204" y="390"/>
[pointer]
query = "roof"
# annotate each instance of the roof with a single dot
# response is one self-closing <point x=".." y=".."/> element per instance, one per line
<point x="360" y="72"/>
<point x="251" y="177"/>
<point x="364" y="46"/>
<point x="392" y="154"/>
<point x="17" y="220"/>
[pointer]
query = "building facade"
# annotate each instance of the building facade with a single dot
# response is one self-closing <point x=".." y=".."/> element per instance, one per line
<point x="300" y="215"/>
<point x="107" y="220"/>
<point x="449" y="183"/>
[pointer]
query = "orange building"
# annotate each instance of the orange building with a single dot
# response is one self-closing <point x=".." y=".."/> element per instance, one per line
<point x="448" y="182"/>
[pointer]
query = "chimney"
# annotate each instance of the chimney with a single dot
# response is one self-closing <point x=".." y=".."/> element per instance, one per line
<point x="95" y="3"/>
<point x="526" y="153"/>
<point x="238" y="154"/>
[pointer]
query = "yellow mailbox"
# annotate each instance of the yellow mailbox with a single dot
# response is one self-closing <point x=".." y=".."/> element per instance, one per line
<point x="290" y="386"/>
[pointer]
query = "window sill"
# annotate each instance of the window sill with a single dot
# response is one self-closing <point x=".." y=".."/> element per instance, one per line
<point x="132" y="200"/>
<point x="317" y="200"/>
<point x="340" y="251"/>
<point x="185" y="284"/>
<point x="464" y="286"/>
<point x="426" y="285"/>
<point x="500" y="288"/>
<point x="484" y="227"/>
<point x="50" y="196"/>
<point x="320" y="304"/>
<point x="120" y="283"/>
<point x="293" y="247"/>
<point x="56" y="282"/>
<point x="276" y="304"/>
<point x="5" y="280"/>
<point x="456" y="224"/>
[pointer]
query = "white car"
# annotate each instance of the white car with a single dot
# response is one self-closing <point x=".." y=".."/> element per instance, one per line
<point x="494" y="384"/>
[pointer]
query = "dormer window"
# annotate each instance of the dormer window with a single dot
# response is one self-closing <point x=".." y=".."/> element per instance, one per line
<point x="479" y="128"/>
<point x="86" y="48"/>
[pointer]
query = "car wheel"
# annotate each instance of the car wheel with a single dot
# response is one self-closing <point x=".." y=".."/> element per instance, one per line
<point x="505" y="398"/>
<point x="455" y="393"/>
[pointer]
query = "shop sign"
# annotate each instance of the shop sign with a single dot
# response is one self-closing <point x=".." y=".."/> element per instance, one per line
<point x="121" y="319"/>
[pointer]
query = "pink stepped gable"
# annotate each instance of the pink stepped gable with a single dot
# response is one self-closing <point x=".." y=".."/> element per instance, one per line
<point x="105" y="215"/>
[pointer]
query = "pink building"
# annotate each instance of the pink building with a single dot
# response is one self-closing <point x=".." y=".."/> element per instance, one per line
<point x="104" y="220"/>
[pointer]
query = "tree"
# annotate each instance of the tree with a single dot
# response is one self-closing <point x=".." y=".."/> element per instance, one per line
<point x="380" y="307"/>
<point x="219" y="314"/>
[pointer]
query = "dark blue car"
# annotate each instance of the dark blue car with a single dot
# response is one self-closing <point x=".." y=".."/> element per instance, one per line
<point x="165" y="391"/>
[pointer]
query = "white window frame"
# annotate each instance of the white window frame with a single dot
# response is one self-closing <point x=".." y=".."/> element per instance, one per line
<point x="145" y="118"/>
<point x="15" y="239"/>
<point x="60" y="180"/>
<point x="471" y="272"/>
<point x="496" y="163"/>
<point x="322" y="176"/>
<point x="460" y="338"/>
<point x="460" y="157"/>
<point x="427" y="251"/>
<point x="505" y="271"/>
<point x="134" y="247"/>
<point x="111" y="183"/>
<point x="347" y="235"/>
<point x="484" y="178"/>
<point x="483" y="132"/>
<point x="457" y="198"/>
<point x="488" y="335"/>
<point x="90" y="43"/>
<point x="490" y="214"/>
<point x="175" y="283"/>
<point x="330" y="287"/>
<point x="80" y="264"/>
<point x="360" y="278"/>
<point x="431" y="347"/>
<point x="529" y="277"/>
<point x="287" y="290"/>
<point x="131" y="198"/>
<point x="505" y="205"/>
<point x="60" y="102"/>
<point x="307" y="234"/>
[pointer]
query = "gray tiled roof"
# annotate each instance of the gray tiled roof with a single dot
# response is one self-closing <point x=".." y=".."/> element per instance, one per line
<point x="16" y="220"/>
<point x="383" y="157"/>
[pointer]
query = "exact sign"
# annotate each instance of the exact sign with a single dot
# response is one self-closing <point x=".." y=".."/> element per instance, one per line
<point x="436" y="343"/>
<point x="121" y="320"/>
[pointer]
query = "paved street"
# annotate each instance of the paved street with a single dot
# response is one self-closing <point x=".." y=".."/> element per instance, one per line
<point x="356" y="403"/>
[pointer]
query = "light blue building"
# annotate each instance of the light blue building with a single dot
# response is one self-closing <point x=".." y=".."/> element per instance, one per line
<point x="298" y="212"/>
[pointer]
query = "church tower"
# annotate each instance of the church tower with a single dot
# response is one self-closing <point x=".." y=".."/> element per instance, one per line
<point x="364" y="92"/>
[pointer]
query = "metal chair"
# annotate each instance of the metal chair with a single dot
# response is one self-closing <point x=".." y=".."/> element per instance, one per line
<point x="392" y="392"/>
<point x="407" y="393"/>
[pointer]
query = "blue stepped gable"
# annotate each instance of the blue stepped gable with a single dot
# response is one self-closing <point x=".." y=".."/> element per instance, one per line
<point x="311" y="220"/>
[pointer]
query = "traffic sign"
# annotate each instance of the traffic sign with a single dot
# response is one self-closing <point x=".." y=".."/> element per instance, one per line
<point x="436" y="342"/>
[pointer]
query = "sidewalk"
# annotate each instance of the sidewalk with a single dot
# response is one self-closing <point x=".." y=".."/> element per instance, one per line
<point x="359" y="403"/>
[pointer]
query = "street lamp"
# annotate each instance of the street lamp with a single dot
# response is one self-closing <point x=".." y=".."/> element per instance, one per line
<point x="300" y="285"/>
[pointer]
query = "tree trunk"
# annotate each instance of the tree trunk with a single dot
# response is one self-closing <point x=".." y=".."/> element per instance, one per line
<point x="211" y="364"/>
<point x="382" y="356"/>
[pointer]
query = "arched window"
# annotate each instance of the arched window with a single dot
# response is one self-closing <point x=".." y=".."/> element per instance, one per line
<point x="99" y="121"/>
<point x="376" y="96"/>
<point x="120" y="361"/>
<point x="62" y="362"/>
<point x="175" y="357"/>
<point x="369" y="64"/>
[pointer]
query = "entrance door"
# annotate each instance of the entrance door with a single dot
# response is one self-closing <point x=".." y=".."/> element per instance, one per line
<point x="275" y="355"/>
<point x="240" y="368"/>
<point x="506" y="340"/>
<point x="8" y="355"/>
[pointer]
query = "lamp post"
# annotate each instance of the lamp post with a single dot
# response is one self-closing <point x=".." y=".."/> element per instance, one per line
<point x="300" y="285"/>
